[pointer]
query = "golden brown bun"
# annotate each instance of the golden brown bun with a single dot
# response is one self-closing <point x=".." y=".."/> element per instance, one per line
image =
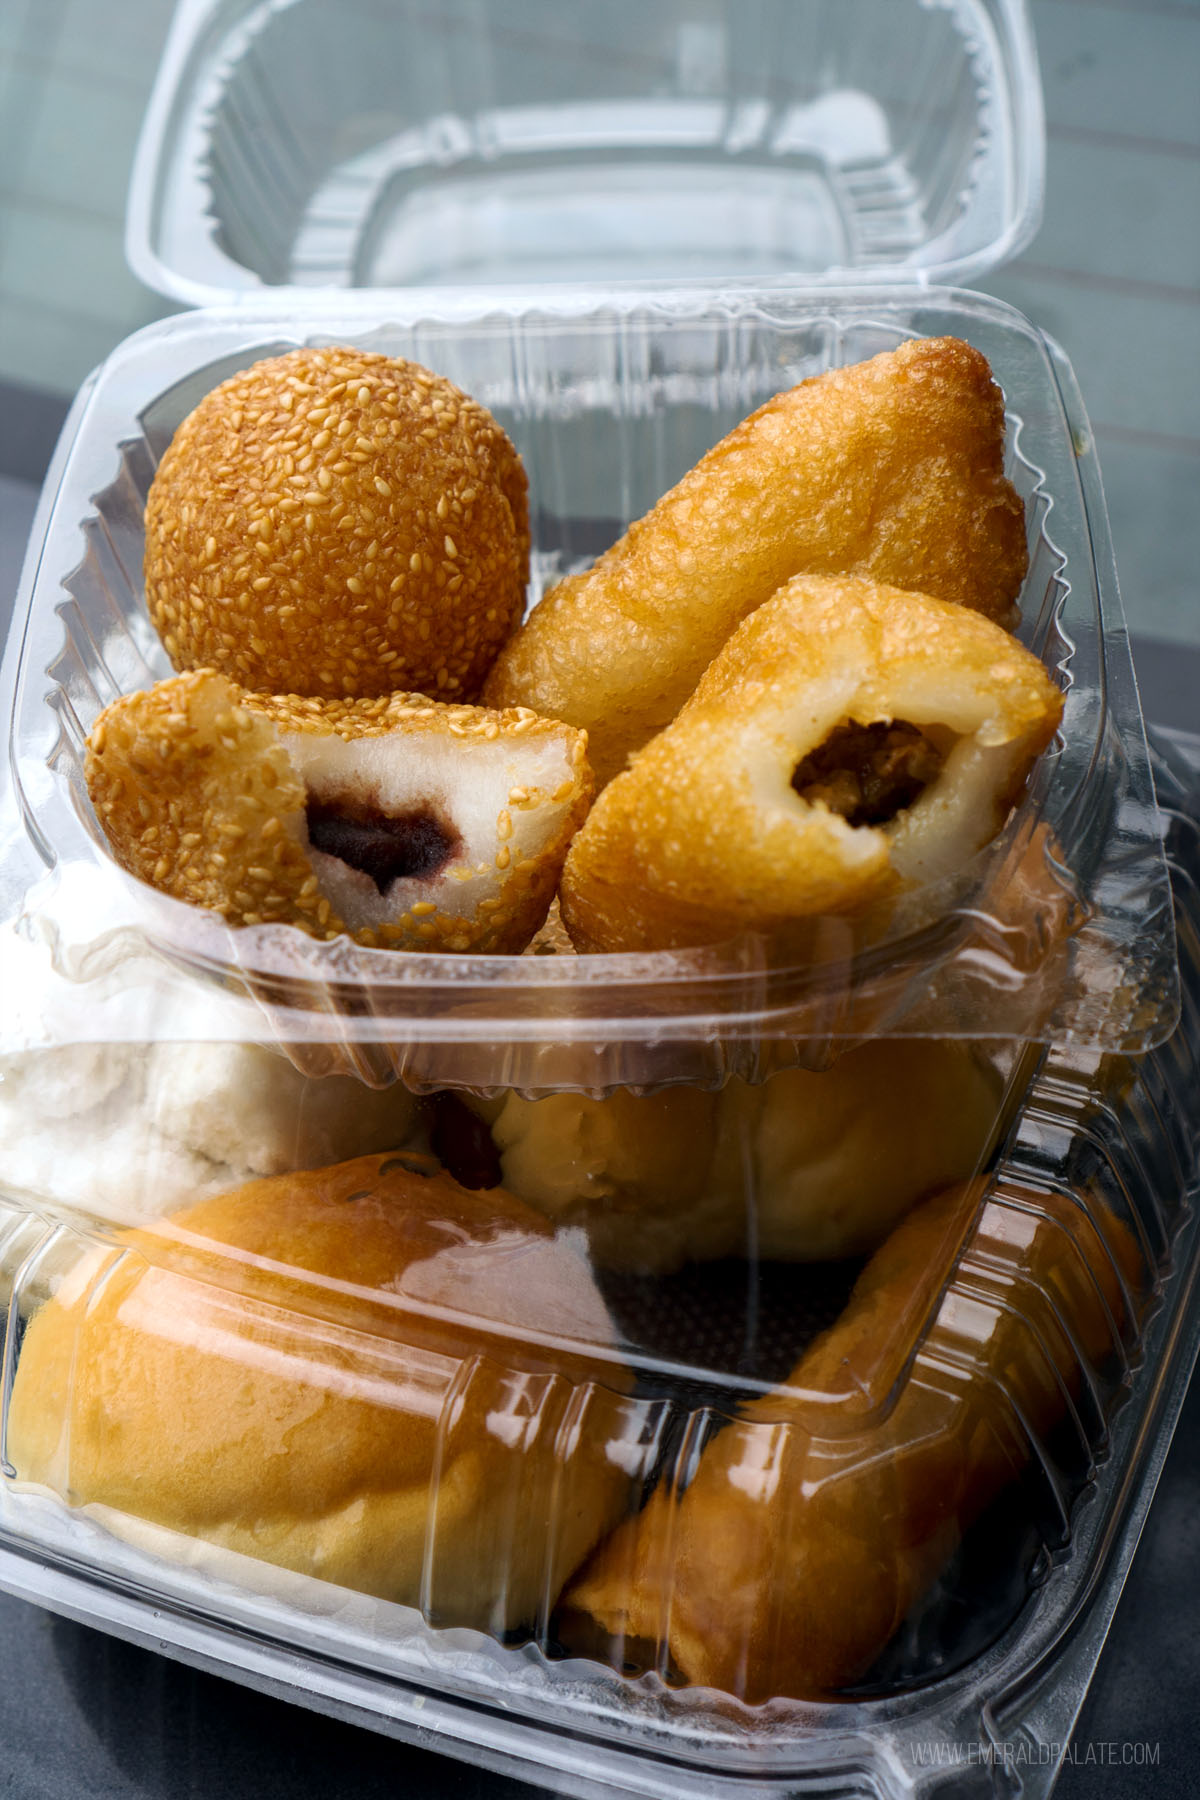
<point x="838" y="1156"/>
<point x="891" y="468"/>
<point x="631" y="1170"/>
<point x="337" y="522"/>
<point x="206" y="792"/>
<point x="706" y="835"/>
<point x="805" y="1538"/>
<point x="808" y="1166"/>
<point x="279" y="1371"/>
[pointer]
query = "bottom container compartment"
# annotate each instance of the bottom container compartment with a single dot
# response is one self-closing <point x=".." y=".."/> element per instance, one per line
<point x="620" y="1522"/>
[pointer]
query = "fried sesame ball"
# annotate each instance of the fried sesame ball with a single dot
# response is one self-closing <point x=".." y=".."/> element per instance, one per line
<point x="338" y="523"/>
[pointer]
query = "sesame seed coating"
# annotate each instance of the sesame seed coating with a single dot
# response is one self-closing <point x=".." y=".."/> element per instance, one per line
<point x="338" y="523"/>
<point x="377" y="715"/>
<point x="197" y="797"/>
<point x="202" y="789"/>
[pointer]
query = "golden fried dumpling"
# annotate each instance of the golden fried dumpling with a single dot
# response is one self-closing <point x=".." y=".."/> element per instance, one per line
<point x="849" y="740"/>
<point x="891" y="468"/>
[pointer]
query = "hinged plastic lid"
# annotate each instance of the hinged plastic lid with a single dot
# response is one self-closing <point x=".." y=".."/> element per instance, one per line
<point x="350" y="143"/>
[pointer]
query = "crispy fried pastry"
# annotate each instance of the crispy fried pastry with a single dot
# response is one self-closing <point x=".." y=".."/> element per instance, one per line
<point x="406" y="824"/>
<point x="819" y="1516"/>
<point x="348" y="1373"/>
<point x="338" y="523"/>
<point x="808" y="1166"/>
<point x="891" y="468"/>
<point x="850" y="739"/>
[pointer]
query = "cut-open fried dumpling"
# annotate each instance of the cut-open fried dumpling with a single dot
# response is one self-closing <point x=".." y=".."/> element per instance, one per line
<point x="850" y="739"/>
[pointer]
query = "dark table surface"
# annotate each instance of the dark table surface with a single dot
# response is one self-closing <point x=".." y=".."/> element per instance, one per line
<point x="82" y="1713"/>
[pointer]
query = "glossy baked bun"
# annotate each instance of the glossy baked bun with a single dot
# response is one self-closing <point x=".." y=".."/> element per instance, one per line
<point x="406" y="824"/>
<point x="351" y="1373"/>
<point x="892" y="468"/>
<point x="808" y="1166"/>
<point x="336" y="522"/>
<point x="850" y="740"/>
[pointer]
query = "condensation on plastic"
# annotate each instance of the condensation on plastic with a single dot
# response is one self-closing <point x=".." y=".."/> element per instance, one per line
<point x="1061" y="931"/>
<point x="513" y="141"/>
<point x="997" y="1433"/>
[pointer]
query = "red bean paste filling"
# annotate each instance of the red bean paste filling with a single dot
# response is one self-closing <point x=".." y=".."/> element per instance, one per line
<point x="386" y="847"/>
<point x="869" y="773"/>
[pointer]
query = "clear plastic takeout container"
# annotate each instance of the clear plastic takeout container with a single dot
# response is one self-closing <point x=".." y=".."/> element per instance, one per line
<point x="738" y="1371"/>
<point x="358" y="143"/>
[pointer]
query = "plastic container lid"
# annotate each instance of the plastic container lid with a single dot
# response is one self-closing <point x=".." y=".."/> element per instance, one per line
<point x="349" y="143"/>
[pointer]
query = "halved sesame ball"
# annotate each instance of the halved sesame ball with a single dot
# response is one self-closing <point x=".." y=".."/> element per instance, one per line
<point x="403" y="823"/>
<point x="338" y="523"/>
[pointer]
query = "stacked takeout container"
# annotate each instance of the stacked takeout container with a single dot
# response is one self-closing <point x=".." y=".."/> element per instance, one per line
<point x="637" y="1484"/>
